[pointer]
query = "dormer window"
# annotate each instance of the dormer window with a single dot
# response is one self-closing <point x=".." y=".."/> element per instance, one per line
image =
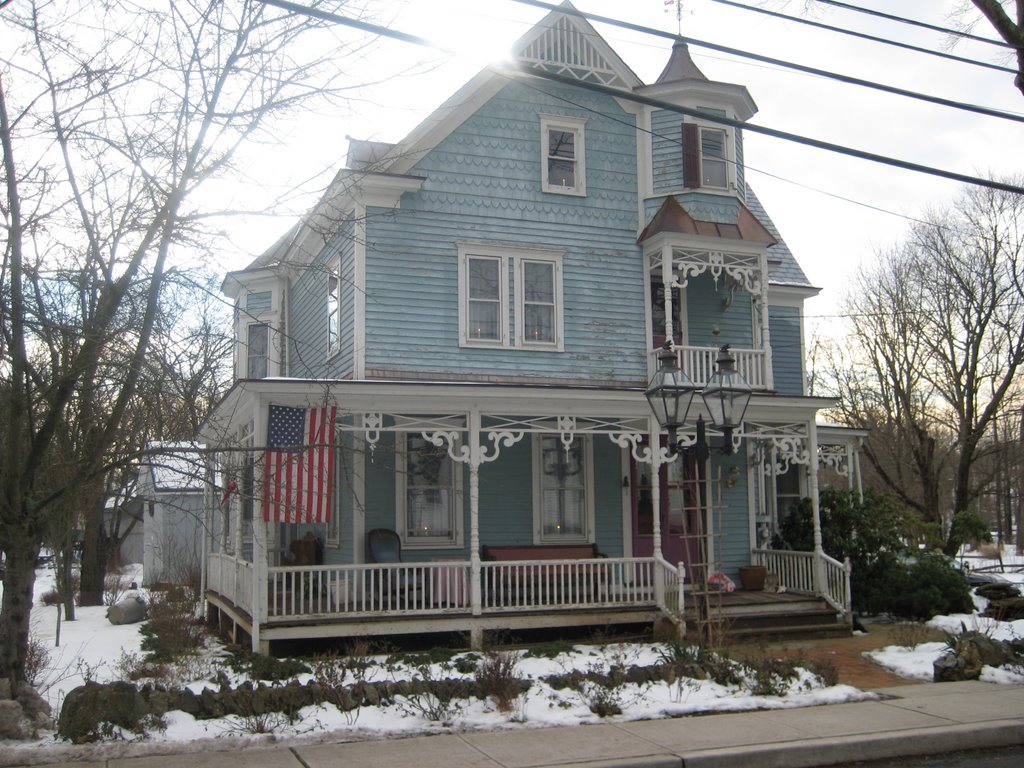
<point x="563" y="154"/>
<point x="705" y="157"/>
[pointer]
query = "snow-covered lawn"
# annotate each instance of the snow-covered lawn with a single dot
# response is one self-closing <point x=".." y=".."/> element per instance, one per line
<point x="92" y="648"/>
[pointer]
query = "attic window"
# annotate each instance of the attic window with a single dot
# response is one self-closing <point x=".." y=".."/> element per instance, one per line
<point x="562" y="155"/>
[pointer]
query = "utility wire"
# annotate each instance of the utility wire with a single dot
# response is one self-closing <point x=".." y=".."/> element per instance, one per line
<point x="523" y="70"/>
<point x="913" y="22"/>
<point x="865" y="36"/>
<point x="778" y="62"/>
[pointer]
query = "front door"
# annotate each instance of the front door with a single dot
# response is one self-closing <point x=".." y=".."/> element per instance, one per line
<point x="679" y="513"/>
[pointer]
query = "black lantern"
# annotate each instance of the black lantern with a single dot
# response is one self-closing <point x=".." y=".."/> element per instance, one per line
<point x="670" y="393"/>
<point x="726" y="396"/>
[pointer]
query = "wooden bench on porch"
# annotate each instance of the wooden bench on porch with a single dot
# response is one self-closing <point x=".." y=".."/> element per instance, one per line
<point x="542" y="583"/>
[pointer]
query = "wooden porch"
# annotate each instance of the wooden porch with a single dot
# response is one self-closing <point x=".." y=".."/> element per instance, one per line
<point x="329" y="601"/>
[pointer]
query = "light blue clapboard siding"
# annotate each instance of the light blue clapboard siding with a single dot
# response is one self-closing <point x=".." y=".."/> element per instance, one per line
<point x="732" y="522"/>
<point x="666" y="151"/>
<point x="787" y="354"/>
<point x="308" y="353"/>
<point x="345" y="500"/>
<point x="486" y="177"/>
<point x="705" y="312"/>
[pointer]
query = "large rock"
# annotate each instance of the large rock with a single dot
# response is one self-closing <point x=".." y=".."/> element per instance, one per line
<point x="131" y="610"/>
<point x="1006" y="609"/>
<point x="972" y="652"/>
<point x="88" y="708"/>
<point x="22" y="717"/>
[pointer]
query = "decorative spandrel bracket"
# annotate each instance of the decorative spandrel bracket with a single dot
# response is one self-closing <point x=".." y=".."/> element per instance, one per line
<point x="473" y="454"/>
<point x="372" y="424"/>
<point x="745" y="270"/>
<point x="835" y="457"/>
<point x="785" y="452"/>
<point x="641" y="450"/>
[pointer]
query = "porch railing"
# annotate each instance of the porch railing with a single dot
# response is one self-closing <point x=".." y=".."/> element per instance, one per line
<point x="795" y="571"/>
<point x="671" y="598"/>
<point x="528" y="585"/>
<point x="349" y="591"/>
<point x="699" y="364"/>
<point x="230" y="577"/>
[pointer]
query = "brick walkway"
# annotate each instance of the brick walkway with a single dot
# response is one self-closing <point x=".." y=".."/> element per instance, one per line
<point x="847" y="654"/>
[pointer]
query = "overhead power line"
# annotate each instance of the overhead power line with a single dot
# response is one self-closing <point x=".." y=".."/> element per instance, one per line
<point x="915" y="23"/>
<point x="777" y="62"/>
<point x="865" y="36"/>
<point x="531" y="72"/>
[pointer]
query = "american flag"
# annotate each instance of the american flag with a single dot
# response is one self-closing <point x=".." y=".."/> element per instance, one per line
<point x="299" y="467"/>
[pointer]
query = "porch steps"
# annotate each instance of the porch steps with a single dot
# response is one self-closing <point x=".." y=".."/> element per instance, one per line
<point x="763" y="614"/>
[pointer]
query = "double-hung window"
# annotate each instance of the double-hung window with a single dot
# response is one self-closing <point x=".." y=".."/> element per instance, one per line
<point x="563" y="155"/>
<point x="258" y="350"/>
<point x="713" y="162"/>
<point x="333" y="312"/>
<point x="562" y="495"/>
<point x="705" y="157"/>
<point x="486" y="293"/>
<point x="485" y="298"/>
<point x="428" y="495"/>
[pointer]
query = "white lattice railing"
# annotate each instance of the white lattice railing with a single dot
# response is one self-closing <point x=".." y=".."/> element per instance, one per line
<point x="699" y="364"/>
<point x="795" y="571"/>
<point x="230" y="578"/>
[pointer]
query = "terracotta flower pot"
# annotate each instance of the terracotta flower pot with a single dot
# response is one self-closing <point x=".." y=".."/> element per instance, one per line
<point x="752" y="577"/>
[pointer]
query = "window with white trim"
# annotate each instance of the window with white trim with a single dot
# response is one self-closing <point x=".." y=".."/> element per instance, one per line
<point x="563" y="495"/>
<point x="562" y="155"/>
<point x="713" y="159"/>
<point x="258" y="350"/>
<point x="428" y="494"/>
<point x="485" y="295"/>
<point x="333" y="312"/>
<point x="485" y="298"/>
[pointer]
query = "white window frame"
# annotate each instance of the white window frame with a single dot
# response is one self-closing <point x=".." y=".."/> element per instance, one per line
<point x="726" y="158"/>
<point x="512" y="260"/>
<point x="555" y="260"/>
<point x="248" y="348"/>
<point x="575" y="126"/>
<point x="455" y="541"/>
<point x="333" y="309"/>
<point x="588" y="535"/>
<point x="467" y="252"/>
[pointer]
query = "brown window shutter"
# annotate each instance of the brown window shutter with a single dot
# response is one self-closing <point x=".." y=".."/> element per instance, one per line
<point x="691" y="155"/>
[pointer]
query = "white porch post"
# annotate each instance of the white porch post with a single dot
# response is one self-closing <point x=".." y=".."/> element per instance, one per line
<point x="856" y="464"/>
<point x="666" y="282"/>
<point x="766" y="341"/>
<point x="812" y="490"/>
<point x="475" y="453"/>
<point x="655" y="432"/>
<point x="259" y="538"/>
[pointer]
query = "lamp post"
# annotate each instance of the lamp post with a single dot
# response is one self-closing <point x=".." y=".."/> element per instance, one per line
<point x="726" y="397"/>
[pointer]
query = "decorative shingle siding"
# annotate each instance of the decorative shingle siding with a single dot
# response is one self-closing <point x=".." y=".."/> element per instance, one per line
<point x="787" y="353"/>
<point x="486" y="179"/>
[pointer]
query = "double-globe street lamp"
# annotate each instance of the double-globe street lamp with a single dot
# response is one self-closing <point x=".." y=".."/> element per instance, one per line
<point x="726" y="396"/>
<point x="670" y="394"/>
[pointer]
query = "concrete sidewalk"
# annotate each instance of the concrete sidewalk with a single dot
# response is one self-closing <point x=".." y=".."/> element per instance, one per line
<point x="905" y="721"/>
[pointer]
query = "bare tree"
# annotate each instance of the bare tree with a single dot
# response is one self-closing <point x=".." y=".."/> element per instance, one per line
<point x="1010" y="28"/>
<point x="112" y="117"/>
<point x="936" y="351"/>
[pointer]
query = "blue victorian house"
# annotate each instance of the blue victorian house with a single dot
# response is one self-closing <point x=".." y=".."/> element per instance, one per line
<point x="439" y="421"/>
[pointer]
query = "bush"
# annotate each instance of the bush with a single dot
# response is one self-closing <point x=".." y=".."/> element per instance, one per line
<point x="172" y="629"/>
<point x="930" y="586"/>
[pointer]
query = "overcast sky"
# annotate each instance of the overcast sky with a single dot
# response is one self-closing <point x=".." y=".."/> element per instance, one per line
<point x="834" y="212"/>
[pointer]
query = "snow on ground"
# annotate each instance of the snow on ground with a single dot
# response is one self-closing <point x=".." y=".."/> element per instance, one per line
<point x="91" y="648"/>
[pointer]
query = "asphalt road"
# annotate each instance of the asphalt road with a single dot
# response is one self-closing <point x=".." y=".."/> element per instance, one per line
<point x="1010" y="757"/>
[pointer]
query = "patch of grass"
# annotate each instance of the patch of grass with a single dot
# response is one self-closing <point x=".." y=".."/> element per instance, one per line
<point x="549" y="650"/>
<point x="260" y="667"/>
